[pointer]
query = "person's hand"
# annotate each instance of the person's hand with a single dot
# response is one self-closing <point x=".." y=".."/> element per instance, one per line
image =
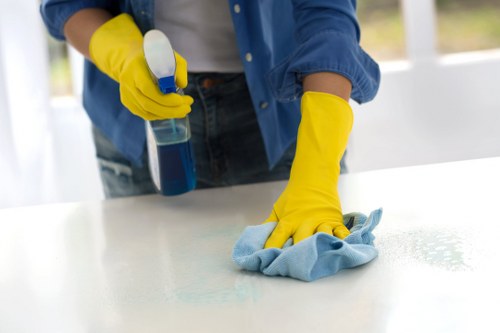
<point x="310" y="203"/>
<point x="116" y="49"/>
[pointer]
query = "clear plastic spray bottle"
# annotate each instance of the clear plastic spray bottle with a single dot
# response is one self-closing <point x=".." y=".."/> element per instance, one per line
<point x="170" y="152"/>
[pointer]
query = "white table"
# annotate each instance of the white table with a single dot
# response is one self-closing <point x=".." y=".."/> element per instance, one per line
<point x="155" y="264"/>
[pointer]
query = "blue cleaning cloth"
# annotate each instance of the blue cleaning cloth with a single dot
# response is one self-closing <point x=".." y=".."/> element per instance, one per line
<point x="315" y="257"/>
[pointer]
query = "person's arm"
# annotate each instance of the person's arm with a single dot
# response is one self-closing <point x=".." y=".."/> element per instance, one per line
<point x="310" y="203"/>
<point x="81" y="26"/>
<point x="115" y="46"/>
<point x="327" y="82"/>
<point x="331" y="64"/>
<point x="327" y="35"/>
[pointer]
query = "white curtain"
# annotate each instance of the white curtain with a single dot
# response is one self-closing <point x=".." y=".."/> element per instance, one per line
<point x="24" y="97"/>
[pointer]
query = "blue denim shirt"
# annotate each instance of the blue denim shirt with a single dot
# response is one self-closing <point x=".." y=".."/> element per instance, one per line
<point x="280" y="41"/>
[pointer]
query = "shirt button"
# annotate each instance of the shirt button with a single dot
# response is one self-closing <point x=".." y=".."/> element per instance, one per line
<point x="237" y="9"/>
<point x="248" y="57"/>
<point x="263" y="105"/>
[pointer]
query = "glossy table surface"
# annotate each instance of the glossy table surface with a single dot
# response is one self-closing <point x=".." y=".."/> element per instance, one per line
<point x="155" y="264"/>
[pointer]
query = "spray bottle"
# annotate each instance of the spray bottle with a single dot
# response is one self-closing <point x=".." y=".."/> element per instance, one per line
<point x="170" y="152"/>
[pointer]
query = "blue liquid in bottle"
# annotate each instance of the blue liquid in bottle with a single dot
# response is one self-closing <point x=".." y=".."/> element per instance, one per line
<point x="171" y="156"/>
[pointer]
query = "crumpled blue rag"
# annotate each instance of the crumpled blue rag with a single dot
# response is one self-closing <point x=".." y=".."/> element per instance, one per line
<point x="315" y="257"/>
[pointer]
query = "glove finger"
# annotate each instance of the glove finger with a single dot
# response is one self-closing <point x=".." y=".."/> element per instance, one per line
<point x="178" y="111"/>
<point x="173" y="113"/>
<point x="143" y="82"/>
<point x="150" y="106"/>
<point x="341" y="231"/>
<point x="136" y="109"/>
<point x="273" y="217"/>
<point x="168" y="100"/>
<point x="153" y="93"/>
<point x="326" y="228"/>
<point x="181" y="74"/>
<point x="187" y="99"/>
<point x="279" y="236"/>
<point x="306" y="230"/>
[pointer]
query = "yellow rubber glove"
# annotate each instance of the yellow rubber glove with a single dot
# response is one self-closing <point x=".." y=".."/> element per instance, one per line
<point x="116" y="49"/>
<point x="310" y="203"/>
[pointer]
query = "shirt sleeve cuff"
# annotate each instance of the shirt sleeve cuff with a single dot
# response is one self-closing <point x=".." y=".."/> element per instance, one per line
<point x="56" y="13"/>
<point x="328" y="51"/>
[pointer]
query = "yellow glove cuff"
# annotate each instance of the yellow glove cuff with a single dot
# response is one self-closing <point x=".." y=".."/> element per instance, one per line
<point x="323" y="134"/>
<point x="112" y="42"/>
<point x="320" y="108"/>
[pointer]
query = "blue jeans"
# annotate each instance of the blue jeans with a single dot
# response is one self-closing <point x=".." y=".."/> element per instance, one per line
<point x="226" y="138"/>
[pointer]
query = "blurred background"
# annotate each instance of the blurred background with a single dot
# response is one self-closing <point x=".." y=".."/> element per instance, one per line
<point x="438" y="101"/>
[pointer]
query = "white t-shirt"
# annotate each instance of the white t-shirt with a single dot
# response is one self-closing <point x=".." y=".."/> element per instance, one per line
<point x="202" y="32"/>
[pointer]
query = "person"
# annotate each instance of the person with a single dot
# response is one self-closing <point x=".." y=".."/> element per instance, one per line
<point x="267" y="94"/>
